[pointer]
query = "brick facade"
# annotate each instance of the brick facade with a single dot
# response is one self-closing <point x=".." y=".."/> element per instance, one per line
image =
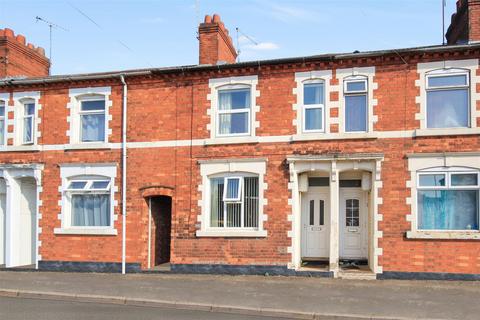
<point x="168" y="138"/>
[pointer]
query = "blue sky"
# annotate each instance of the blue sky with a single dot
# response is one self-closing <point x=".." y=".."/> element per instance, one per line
<point x="142" y="34"/>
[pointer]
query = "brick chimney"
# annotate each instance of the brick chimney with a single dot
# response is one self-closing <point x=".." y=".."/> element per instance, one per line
<point x="19" y="58"/>
<point x="216" y="46"/>
<point x="465" y="25"/>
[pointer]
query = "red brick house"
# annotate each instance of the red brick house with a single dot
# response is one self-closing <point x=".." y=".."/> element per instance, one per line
<point x="362" y="163"/>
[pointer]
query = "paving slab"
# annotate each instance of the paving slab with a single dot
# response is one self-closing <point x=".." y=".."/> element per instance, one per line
<point x="289" y="296"/>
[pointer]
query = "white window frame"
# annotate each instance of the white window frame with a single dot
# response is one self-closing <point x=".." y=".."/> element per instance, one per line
<point x="91" y="173"/>
<point x="232" y="111"/>
<point x="32" y="117"/>
<point x="448" y="172"/>
<point x="306" y="107"/>
<point x="445" y="73"/>
<point x="239" y="197"/>
<point x="350" y="93"/>
<point x="217" y="84"/>
<point x="82" y="113"/>
<point x="4" y="118"/>
<point x="447" y="67"/>
<point x="230" y="168"/>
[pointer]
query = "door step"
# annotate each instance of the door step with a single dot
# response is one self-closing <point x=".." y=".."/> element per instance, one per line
<point x="356" y="275"/>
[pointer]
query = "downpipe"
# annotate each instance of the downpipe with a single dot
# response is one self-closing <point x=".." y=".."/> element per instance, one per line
<point x="124" y="173"/>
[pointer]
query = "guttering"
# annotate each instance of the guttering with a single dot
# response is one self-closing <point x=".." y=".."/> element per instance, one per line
<point x="124" y="172"/>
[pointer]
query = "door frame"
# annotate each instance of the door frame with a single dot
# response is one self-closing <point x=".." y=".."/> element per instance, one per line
<point x="363" y="222"/>
<point x="324" y="192"/>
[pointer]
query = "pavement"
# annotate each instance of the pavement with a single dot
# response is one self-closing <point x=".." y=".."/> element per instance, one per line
<point x="36" y="309"/>
<point x="279" y="297"/>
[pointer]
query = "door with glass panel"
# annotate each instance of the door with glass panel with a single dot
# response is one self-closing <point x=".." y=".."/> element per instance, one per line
<point x="353" y="224"/>
<point x="316" y="217"/>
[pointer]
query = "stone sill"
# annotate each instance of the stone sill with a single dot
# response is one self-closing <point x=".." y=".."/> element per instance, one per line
<point x="24" y="148"/>
<point x="445" y="132"/>
<point x="233" y="233"/>
<point x="334" y="136"/>
<point x="444" y="235"/>
<point x="87" y="146"/>
<point x="86" y="231"/>
<point x="231" y="140"/>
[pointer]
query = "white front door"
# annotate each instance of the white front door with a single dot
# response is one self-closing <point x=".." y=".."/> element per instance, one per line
<point x="315" y="220"/>
<point x="26" y="224"/>
<point x="353" y="224"/>
<point x="2" y="227"/>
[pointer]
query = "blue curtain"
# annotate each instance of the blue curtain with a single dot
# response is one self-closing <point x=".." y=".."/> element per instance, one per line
<point x="448" y="209"/>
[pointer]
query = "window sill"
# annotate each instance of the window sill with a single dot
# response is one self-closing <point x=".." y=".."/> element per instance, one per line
<point x="231" y="140"/>
<point x="232" y="233"/>
<point x="445" y="235"/>
<point x="81" y="231"/>
<point x="87" y="146"/>
<point x="21" y="148"/>
<point x="445" y="132"/>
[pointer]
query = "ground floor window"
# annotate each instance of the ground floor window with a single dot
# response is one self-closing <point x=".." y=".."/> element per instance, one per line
<point x="90" y="203"/>
<point x="448" y="200"/>
<point x="234" y="202"/>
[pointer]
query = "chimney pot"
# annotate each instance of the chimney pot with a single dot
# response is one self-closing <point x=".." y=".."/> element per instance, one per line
<point x="21" y="38"/>
<point x="31" y="46"/>
<point x="9" y="33"/>
<point x="208" y="19"/>
<point x="41" y="51"/>
<point x="216" y="18"/>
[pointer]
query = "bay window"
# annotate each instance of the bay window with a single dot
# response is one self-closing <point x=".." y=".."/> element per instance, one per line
<point x="313" y="106"/>
<point x="234" y="202"/>
<point x="233" y="112"/>
<point x="356" y="104"/>
<point x="448" y="99"/>
<point x="448" y="200"/>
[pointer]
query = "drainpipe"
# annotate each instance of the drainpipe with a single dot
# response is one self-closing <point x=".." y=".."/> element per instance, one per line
<point x="124" y="172"/>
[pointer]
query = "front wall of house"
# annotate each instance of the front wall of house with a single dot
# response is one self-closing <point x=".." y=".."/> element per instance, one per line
<point x="165" y="112"/>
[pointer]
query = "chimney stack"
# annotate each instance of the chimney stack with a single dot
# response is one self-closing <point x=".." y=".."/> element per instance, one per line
<point x="215" y="45"/>
<point x="465" y="23"/>
<point x="18" y="58"/>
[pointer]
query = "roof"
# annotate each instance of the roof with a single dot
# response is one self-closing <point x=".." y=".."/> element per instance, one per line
<point x="174" y="69"/>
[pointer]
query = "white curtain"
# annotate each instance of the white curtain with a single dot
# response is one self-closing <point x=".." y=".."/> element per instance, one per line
<point x="225" y="103"/>
<point x="91" y="210"/>
<point x="93" y="127"/>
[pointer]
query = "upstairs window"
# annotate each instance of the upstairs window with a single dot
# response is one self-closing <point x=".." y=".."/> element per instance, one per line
<point x="448" y="200"/>
<point x="234" y="202"/>
<point x="233" y="114"/>
<point x="356" y="102"/>
<point x="90" y="202"/>
<point x="313" y="106"/>
<point x="448" y="99"/>
<point x="92" y="119"/>
<point x="2" y="123"/>
<point x="28" y="121"/>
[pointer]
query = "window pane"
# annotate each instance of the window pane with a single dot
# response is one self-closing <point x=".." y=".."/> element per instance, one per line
<point x="250" y="202"/>
<point x="234" y="99"/>
<point x="91" y="210"/>
<point x="233" y="188"/>
<point x="216" y="202"/>
<point x="93" y="105"/>
<point x="356" y="113"/>
<point x="356" y="86"/>
<point x="448" y="209"/>
<point x="93" y="127"/>
<point x="350" y="183"/>
<point x="27" y="129"/>
<point x="318" y="182"/>
<point x="444" y="81"/>
<point x="2" y="109"/>
<point x="100" y="184"/>
<point x="234" y="123"/>
<point x="29" y="109"/>
<point x="432" y="180"/>
<point x="464" y="179"/>
<point x="314" y="119"/>
<point x="447" y="108"/>
<point x="2" y="132"/>
<point x="77" y="185"/>
<point x="313" y="93"/>
<point x="234" y="215"/>
<point x="322" y="212"/>
<point x="312" y="212"/>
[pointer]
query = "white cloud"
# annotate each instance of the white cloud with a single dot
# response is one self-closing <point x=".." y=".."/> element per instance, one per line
<point x="287" y="13"/>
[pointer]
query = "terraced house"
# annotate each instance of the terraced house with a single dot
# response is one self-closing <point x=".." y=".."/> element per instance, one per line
<point x="357" y="164"/>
